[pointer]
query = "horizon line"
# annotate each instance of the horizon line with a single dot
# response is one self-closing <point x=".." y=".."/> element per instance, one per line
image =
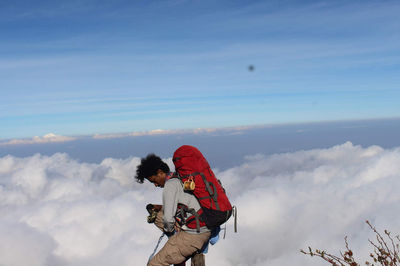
<point x="52" y="138"/>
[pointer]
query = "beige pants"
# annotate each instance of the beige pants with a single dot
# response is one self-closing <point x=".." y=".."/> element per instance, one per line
<point x="179" y="247"/>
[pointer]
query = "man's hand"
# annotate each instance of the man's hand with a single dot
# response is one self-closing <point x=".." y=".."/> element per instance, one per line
<point x="153" y="210"/>
<point x="153" y="207"/>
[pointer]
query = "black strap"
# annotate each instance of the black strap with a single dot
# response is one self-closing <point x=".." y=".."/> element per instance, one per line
<point x="212" y="191"/>
<point x="206" y="183"/>
<point x="207" y="197"/>
<point x="197" y="217"/>
<point x="215" y="197"/>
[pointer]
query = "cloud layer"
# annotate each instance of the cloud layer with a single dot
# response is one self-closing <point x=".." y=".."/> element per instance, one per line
<point x="48" y="138"/>
<point x="58" y="211"/>
<point x="231" y="130"/>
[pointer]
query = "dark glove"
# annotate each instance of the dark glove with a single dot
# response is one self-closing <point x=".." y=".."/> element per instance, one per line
<point x="150" y="208"/>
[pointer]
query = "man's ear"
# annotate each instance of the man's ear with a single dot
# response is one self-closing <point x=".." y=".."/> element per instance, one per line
<point x="159" y="171"/>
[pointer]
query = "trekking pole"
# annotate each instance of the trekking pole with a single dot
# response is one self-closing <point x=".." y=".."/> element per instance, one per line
<point x="155" y="250"/>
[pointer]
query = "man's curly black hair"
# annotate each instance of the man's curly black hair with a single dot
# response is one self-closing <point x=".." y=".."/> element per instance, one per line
<point x="148" y="166"/>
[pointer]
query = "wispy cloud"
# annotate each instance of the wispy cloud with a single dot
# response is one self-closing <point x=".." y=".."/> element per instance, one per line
<point x="230" y="130"/>
<point x="48" y="138"/>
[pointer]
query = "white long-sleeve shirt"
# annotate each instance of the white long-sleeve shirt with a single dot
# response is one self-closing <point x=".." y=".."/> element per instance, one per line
<point x="173" y="194"/>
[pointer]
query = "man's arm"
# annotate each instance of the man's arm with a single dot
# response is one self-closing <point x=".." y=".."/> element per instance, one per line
<point x="170" y="203"/>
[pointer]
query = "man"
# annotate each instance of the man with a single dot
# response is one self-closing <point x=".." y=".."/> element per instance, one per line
<point x="183" y="242"/>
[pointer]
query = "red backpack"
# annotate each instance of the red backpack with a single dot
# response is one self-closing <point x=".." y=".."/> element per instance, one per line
<point x="195" y="173"/>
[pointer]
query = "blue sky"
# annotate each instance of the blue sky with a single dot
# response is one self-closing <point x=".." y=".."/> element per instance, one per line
<point x="87" y="67"/>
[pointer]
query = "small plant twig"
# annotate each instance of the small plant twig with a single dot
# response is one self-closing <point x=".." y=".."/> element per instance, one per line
<point x="382" y="253"/>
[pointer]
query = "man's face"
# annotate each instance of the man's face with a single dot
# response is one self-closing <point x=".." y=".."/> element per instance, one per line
<point x="158" y="179"/>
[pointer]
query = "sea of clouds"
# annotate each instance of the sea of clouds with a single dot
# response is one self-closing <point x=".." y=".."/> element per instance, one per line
<point x="55" y="210"/>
